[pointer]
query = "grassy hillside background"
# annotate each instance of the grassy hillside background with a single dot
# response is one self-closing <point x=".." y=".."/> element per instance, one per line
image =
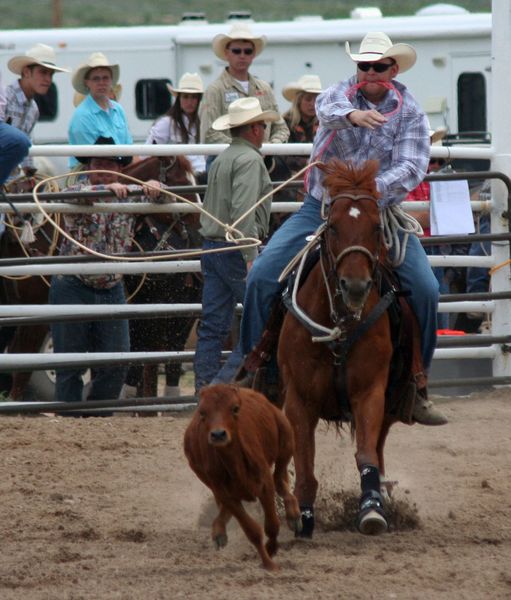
<point x="77" y="13"/>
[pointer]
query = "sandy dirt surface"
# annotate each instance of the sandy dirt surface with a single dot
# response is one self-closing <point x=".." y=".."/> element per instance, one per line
<point x="109" y="509"/>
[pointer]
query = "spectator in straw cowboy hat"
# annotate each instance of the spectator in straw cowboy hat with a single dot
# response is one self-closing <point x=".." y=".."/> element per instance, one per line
<point x="303" y="123"/>
<point x="36" y="69"/>
<point x="98" y="115"/>
<point x="369" y="116"/>
<point x="238" y="48"/>
<point x="180" y="124"/>
<point x="237" y="180"/>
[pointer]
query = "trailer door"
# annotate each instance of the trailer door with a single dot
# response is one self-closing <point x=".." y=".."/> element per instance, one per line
<point x="471" y="92"/>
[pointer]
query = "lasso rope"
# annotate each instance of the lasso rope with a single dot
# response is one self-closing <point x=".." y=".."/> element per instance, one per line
<point x="231" y="232"/>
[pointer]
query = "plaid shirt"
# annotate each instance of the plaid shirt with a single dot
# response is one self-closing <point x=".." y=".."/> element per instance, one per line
<point x="20" y="112"/>
<point x="108" y="233"/>
<point x="401" y="144"/>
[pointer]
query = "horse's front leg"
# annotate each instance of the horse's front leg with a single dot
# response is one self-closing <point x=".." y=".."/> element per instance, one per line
<point x="368" y="413"/>
<point x="306" y="485"/>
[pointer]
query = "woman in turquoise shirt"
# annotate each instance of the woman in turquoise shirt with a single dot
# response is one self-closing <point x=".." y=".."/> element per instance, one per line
<point x="98" y="115"/>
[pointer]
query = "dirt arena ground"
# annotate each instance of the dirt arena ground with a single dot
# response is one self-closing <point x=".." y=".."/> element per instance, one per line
<point x="108" y="509"/>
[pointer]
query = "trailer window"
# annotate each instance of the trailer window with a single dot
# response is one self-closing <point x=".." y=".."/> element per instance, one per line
<point x="471" y="102"/>
<point x="48" y="104"/>
<point x="152" y="98"/>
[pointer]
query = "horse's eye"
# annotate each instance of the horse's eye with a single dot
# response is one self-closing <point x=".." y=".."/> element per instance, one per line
<point x="332" y="231"/>
<point x="202" y="415"/>
<point x="235" y="409"/>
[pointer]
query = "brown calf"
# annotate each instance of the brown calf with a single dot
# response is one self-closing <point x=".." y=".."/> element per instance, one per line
<point x="234" y="438"/>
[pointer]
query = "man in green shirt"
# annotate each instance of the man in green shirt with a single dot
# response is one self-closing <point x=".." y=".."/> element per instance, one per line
<point x="237" y="180"/>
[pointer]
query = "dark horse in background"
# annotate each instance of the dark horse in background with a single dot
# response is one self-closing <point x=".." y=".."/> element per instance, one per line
<point x="163" y="231"/>
<point x="345" y="379"/>
<point x="24" y="289"/>
<point x="146" y="334"/>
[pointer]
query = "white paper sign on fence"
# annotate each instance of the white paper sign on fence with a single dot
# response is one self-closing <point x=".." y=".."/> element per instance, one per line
<point x="450" y="211"/>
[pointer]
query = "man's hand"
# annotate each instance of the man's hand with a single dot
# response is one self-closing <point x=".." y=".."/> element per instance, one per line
<point x="119" y="189"/>
<point x="152" y="188"/>
<point x="366" y="118"/>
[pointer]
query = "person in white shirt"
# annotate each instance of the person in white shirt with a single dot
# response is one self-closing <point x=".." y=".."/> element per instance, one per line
<point x="180" y="125"/>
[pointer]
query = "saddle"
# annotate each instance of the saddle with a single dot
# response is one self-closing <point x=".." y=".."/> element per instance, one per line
<point x="406" y="360"/>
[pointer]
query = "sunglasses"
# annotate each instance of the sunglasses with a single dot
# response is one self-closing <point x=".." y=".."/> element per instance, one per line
<point x="246" y="51"/>
<point x="98" y="78"/>
<point x="378" y="67"/>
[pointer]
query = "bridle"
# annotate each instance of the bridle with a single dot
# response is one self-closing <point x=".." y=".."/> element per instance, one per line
<point x="164" y="169"/>
<point x="333" y="260"/>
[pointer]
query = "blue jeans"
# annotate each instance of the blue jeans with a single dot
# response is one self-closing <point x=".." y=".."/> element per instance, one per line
<point x="14" y="146"/>
<point x="443" y="283"/>
<point x="91" y="336"/>
<point x="478" y="278"/>
<point x="263" y="287"/>
<point x="225" y="275"/>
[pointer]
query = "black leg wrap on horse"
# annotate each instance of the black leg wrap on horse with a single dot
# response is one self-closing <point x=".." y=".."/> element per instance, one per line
<point x="369" y="478"/>
<point x="307" y="513"/>
<point x="371" y="499"/>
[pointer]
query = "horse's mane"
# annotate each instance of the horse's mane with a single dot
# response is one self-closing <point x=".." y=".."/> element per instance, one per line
<point x="345" y="176"/>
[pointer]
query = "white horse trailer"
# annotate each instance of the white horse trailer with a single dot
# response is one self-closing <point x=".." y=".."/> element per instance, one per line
<point x="450" y="79"/>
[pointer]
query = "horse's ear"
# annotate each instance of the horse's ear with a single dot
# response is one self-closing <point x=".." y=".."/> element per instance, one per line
<point x="322" y="166"/>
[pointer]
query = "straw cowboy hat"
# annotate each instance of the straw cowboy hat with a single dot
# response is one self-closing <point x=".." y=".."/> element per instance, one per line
<point x="122" y="160"/>
<point x="239" y="31"/>
<point x="95" y="60"/>
<point x="190" y="83"/>
<point x="377" y="45"/>
<point x="437" y="135"/>
<point x="307" y="83"/>
<point x="242" y="112"/>
<point x="40" y="54"/>
<point x="116" y="95"/>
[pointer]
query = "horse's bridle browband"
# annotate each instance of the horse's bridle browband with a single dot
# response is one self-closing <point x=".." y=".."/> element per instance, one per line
<point x="373" y="258"/>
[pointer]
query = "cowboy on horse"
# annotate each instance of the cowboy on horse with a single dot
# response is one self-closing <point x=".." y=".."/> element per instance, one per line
<point x="369" y="116"/>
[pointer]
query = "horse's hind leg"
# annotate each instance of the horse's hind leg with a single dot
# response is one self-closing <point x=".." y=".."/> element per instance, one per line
<point x="281" y="479"/>
<point x="306" y="485"/>
<point x="150" y="386"/>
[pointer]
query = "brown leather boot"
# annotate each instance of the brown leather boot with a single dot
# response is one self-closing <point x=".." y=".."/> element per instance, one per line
<point x="424" y="411"/>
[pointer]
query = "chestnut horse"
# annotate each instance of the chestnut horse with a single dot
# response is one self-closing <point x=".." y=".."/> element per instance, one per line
<point x="163" y="231"/>
<point x="341" y="372"/>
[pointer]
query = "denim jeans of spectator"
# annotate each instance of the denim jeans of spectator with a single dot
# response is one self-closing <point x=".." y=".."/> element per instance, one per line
<point x="88" y="336"/>
<point x="263" y="287"/>
<point x="14" y="146"/>
<point x="225" y="275"/>
<point x="443" y="284"/>
<point x="478" y="278"/>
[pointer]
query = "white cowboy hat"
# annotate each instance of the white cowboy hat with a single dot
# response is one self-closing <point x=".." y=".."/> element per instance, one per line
<point x="95" y="60"/>
<point x="437" y="135"/>
<point x="307" y="83"/>
<point x="239" y="31"/>
<point x="190" y="83"/>
<point x="377" y="45"/>
<point x="40" y="54"/>
<point x="242" y="112"/>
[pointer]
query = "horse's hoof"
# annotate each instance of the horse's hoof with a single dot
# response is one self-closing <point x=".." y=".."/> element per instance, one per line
<point x="220" y="540"/>
<point x="307" y="519"/>
<point x="371" y="522"/>
<point x="295" y="524"/>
